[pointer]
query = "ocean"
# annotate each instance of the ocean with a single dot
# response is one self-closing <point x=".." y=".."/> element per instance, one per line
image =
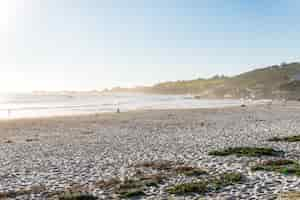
<point x="44" y="105"/>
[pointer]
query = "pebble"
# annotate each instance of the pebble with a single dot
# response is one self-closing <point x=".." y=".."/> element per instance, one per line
<point x="63" y="155"/>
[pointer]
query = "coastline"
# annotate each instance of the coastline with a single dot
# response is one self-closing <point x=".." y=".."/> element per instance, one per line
<point x="30" y="106"/>
<point x="59" y="116"/>
<point x="59" y="152"/>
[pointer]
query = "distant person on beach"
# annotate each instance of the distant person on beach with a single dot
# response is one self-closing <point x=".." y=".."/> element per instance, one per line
<point x="118" y="110"/>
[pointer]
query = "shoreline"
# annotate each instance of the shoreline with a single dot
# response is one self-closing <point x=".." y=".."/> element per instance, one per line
<point x="112" y="113"/>
<point x="63" y="111"/>
<point x="3" y="120"/>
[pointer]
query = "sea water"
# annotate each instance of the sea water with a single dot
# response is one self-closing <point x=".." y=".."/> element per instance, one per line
<point x="44" y="105"/>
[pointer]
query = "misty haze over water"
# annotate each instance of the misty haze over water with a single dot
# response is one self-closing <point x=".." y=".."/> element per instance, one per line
<point x="37" y="105"/>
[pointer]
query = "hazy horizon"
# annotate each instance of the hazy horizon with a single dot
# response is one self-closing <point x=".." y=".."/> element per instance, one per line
<point x="87" y="45"/>
<point x="133" y="86"/>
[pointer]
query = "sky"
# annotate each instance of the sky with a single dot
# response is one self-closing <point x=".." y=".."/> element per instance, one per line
<point x="97" y="44"/>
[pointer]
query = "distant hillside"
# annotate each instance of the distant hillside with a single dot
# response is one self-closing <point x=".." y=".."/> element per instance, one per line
<point x="269" y="82"/>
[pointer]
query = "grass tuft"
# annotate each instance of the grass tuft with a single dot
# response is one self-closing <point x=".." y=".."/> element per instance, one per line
<point x="225" y="180"/>
<point x="77" y="196"/>
<point x="190" y="171"/>
<point x="206" y="185"/>
<point x="172" y="167"/>
<point x="194" y="187"/>
<point x="247" y="151"/>
<point x="108" y="184"/>
<point x="153" y="180"/>
<point x="130" y="188"/>
<point x="286" y="167"/>
<point x="133" y="187"/>
<point x="132" y="193"/>
<point x="294" y="138"/>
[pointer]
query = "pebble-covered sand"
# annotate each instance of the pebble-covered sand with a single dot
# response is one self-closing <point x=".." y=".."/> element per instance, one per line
<point x="46" y="156"/>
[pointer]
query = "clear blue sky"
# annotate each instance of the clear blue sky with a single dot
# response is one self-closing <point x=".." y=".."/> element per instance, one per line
<point x="94" y="44"/>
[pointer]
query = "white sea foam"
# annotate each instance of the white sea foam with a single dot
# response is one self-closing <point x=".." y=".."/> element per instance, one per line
<point x="37" y="105"/>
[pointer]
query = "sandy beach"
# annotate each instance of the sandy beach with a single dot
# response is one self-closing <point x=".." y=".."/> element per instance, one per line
<point x="40" y="158"/>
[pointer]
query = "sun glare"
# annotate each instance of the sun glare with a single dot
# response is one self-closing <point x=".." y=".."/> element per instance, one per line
<point x="8" y="12"/>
